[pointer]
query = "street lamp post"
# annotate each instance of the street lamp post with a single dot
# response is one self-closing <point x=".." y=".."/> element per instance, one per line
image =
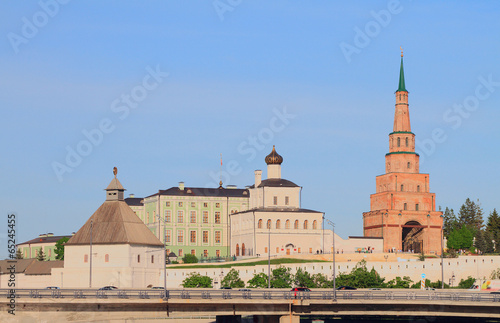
<point x="333" y="257"/>
<point x="269" y="255"/>
<point x="442" y="253"/>
<point x="90" y="261"/>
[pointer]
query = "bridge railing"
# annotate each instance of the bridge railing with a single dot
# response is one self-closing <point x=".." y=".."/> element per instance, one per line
<point x="400" y="294"/>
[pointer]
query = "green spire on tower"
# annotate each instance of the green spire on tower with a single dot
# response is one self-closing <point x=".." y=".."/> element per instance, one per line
<point x="402" y="75"/>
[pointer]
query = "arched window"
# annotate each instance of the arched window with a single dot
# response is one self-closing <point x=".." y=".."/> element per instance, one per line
<point x="106" y="258"/>
<point x="237" y="250"/>
<point x="418" y="188"/>
<point x="416" y="207"/>
<point x="315" y="225"/>
<point x="278" y="224"/>
<point x="405" y="207"/>
<point x="287" y="224"/>
<point x="399" y="142"/>
<point x="259" y="225"/>
<point x="268" y="224"/>
<point x="406" y="141"/>
<point x="402" y="187"/>
<point x="296" y="224"/>
<point x="242" y="249"/>
<point x="306" y="224"/>
<point x="408" y="165"/>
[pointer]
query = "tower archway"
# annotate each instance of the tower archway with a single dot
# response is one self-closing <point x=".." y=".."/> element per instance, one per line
<point x="412" y="236"/>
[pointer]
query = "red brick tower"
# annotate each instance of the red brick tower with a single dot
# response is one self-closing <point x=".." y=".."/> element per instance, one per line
<point x="403" y="211"/>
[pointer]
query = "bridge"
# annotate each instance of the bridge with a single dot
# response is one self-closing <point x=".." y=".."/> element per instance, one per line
<point x="230" y="305"/>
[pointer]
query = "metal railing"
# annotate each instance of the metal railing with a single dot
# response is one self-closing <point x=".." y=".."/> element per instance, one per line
<point x="264" y="294"/>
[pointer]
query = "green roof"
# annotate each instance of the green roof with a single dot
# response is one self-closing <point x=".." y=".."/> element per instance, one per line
<point x="402" y="77"/>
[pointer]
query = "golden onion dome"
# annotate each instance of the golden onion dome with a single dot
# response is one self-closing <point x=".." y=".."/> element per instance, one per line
<point x="274" y="158"/>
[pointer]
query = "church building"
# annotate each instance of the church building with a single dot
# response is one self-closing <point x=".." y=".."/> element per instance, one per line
<point x="403" y="210"/>
<point x="275" y="218"/>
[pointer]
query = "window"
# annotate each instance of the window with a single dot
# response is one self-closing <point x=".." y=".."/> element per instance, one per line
<point x="268" y="226"/>
<point x="416" y="207"/>
<point x="259" y="225"/>
<point x="193" y="252"/>
<point x="205" y="216"/>
<point x="205" y="253"/>
<point x="180" y="254"/>
<point x="399" y="142"/>
<point x="217" y="204"/>
<point x="306" y="224"/>
<point x="402" y="187"/>
<point x="167" y="236"/>
<point x="408" y="165"/>
<point x="296" y="224"/>
<point x="167" y="251"/>
<point x="278" y="224"/>
<point x="193" y="236"/>
<point x="287" y="200"/>
<point x="265" y="250"/>
<point x="193" y="216"/>
<point x="138" y="258"/>
<point x="217" y="217"/>
<point x="50" y="252"/>
<point x="418" y="188"/>
<point x="106" y="258"/>
<point x="217" y="236"/>
<point x="406" y="141"/>
<point x="287" y="224"/>
<point x="180" y="204"/>
<point x="86" y="258"/>
<point x="205" y="236"/>
<point x="168" y="216"/>
<point x="311" y="250"/>
<point x="275" y="200"/>
<point x="233" y="211"/>
<point x="152" y="259"/>
<point x="193" y="204"/>
<point x="167" y="204"/>
<point x="147" y="214"/>
<point x="217" y="253"/>
<point x="205" y="204"/>
<point x="277" y="249"/>
<point x="404" y="206"/>
<point x="315" y="225"/>
<point x="298" y="250"/>
<point x="180" y="236"/>
<point x="180" y="216"/>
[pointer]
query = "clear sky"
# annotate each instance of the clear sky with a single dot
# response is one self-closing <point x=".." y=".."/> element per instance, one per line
<point x="162" y="88"/>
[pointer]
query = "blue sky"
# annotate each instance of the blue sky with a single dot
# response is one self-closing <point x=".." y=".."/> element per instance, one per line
<point x="231" y="66"/>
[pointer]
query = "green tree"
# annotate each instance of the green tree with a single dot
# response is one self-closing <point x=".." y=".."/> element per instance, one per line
<point x="471" y="215"/>
<point x="321" y="281"/>
<point x="428" y="283"/>
<point x="195" y="280"/>
<point x="399" y="282"/>
<point x="189" y="259"/>
<point x="467" y="283"/>
<point x="361" y="277"/>
<point x="41" y="255"/>
<point x="303" y="279"/>
<point x="281" y="277"/>
<point x="19" y="254"/>
<point x="59" y="249"/>
<point x="461" y="238"/>
<point x="258" y="281"/>
<point x="232" y="279"/>
<point x="493" y="227"/>
<point x="450" y="221"/>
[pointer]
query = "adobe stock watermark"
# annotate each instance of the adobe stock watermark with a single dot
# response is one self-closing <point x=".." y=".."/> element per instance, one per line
<point x="223" y="6"/>
<point x="252" y="145"/>
<point x="95" y="136"/>
<point x="363" y="37"/>
<point x="455" y="115"/>
<point x="31" y="26"/>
